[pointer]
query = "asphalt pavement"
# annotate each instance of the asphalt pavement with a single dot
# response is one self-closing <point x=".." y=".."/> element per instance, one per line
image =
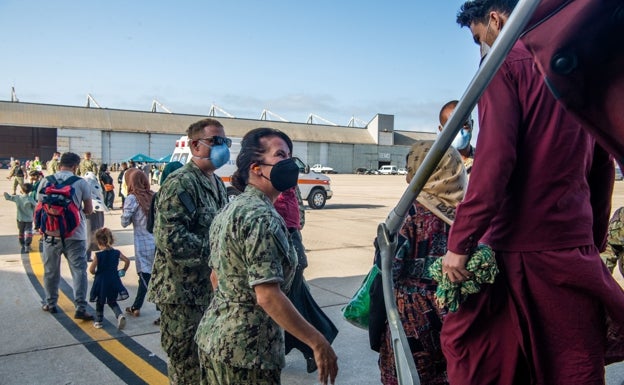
<point x="41" y="348"/>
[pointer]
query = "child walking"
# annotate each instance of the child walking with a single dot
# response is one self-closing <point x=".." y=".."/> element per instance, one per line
<point x="25" y="210"/>
<point x="107" y="287"/>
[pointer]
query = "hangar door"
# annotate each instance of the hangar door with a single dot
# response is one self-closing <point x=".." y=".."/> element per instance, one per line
<point x="118" y="146"/>
<point x="162" y="145"/>
<point x="27" y="142"/>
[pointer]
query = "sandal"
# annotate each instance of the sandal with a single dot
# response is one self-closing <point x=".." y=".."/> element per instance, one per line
<point x="133" y="311"/>
<point x="157" y="321"/>
<point x="49" y="308"/>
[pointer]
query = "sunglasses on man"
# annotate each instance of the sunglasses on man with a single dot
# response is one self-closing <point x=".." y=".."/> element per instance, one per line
<point x="217" y="140"/>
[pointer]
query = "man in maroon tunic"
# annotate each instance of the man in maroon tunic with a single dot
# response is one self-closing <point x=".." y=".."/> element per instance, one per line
<point x="539" y="195"/>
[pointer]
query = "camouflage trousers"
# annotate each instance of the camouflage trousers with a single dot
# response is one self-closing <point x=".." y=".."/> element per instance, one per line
<point x="17" y="181"/>
<point x="612" y="255"/>
<point x="217" y="373"/>
<point x="178" y="324"/>
<point x="615" y="242"/>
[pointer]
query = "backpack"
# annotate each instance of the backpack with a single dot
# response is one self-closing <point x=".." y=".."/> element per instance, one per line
<point x="56" y="215"/>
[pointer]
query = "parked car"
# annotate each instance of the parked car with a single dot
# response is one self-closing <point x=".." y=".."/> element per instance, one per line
<point x="388" y="170"/>
<point x="320" y="169"/>
<point x="618" y="173"/>
<point x="365" y="171"/>
<point x="402" y="171"/>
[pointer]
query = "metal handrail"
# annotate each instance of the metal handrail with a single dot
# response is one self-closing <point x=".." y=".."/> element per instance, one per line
<point x="386" y="232"/>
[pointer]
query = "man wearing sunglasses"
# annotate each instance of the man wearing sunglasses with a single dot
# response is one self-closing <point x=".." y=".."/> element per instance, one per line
<point x="180" y="284"/>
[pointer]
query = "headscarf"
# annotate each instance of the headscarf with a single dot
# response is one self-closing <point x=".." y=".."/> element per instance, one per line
<point x="169" y="168"/>
<point x="445" y="187"/>
<point x="139" y="186"/>
<point x="96" y="192"/>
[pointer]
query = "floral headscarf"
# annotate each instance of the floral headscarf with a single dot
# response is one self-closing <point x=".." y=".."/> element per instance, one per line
<point x="445" y="187"/>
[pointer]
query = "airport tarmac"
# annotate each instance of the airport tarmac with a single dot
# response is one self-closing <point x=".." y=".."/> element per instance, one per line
<point x="41" y="348"/>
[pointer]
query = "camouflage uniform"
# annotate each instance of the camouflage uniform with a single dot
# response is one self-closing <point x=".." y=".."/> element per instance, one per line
<point x="18" y="171"/>
<point x="250" y="246"/>
<point x="53" y="166"/>
<point x="615" y="242"/>
<point x="180" y="283"/>
<point x="87" y="165"/>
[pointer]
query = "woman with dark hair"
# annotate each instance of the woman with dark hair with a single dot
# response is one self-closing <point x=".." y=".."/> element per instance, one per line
<point x="135" y="211"/>
<point x="108" y="188"/>
<point x="253" y="263"/>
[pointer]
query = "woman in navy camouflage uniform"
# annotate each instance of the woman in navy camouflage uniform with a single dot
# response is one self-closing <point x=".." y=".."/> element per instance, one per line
<point x="240" y="337"/>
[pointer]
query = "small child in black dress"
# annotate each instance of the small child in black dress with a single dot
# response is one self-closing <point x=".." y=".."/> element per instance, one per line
<point x="107" y="287"/>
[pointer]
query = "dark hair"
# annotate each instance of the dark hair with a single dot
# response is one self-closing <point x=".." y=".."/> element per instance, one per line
<point x="452" y="103"/>
<point x="27" y="187"/>
<point x="198" y="127"/>
<point x="476" y="11"/>
<point x="104" y="237"/>
<point x="252" y="151"/>
<point x="69" y="159"/>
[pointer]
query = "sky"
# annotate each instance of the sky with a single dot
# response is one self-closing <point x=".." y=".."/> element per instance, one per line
<point x="334" y="59"/>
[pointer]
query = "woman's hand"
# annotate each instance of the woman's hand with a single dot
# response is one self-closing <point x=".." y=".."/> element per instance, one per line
<point x="327" y="363"/>
<point x="275" y="303"/>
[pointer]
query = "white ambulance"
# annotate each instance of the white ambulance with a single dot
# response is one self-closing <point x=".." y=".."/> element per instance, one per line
<point x="315" y="188"/>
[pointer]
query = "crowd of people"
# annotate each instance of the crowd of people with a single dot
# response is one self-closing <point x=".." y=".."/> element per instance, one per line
<point x="227" y="276"/>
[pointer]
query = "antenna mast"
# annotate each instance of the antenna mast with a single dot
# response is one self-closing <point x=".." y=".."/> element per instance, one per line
<point x="14" y="98"/>
<point x="266" y="113"/>
<point x="354" y="120"/>
<point x="310" y="120"/>
<point x="214" y="107"/>
<point x="91" y="100"/>
<point x="159" y="104"/>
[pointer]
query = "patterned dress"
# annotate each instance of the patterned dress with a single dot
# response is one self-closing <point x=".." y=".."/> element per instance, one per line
<point x="422" y="239"/>
<point x="107" y="286"/>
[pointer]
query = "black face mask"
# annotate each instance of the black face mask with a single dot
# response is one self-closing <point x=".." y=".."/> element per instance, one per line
<point x="284" y="174"/>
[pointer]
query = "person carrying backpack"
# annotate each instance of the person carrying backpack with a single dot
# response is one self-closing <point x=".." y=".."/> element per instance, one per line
<point x="72" y="239"/>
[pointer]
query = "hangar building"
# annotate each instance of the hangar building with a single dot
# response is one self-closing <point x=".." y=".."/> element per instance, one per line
<point x="28" y="130"/>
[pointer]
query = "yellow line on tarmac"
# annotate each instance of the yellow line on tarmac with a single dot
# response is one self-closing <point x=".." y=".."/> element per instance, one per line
<point x="124" y="355"/>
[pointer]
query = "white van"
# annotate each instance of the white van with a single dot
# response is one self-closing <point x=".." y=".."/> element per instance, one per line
<point x="315" y="188"/>
<point x="388" y="170"/>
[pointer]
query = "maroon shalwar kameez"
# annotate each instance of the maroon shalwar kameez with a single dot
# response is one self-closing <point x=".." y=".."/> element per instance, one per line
<point x="539" y="195"/>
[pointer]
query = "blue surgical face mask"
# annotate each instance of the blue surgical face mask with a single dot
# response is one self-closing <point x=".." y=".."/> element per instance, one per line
<point x="219" y="155"/>
<point x="462" y="140"/>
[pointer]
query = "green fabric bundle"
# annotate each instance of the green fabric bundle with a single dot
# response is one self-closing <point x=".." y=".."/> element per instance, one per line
<point x="481" y="263"/>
